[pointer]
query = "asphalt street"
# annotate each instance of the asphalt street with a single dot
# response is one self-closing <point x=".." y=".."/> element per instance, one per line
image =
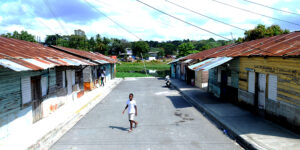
<point x="166" y="121"/>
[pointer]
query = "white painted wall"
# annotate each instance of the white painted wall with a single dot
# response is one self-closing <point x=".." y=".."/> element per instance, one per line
<point x="16" y="122"/>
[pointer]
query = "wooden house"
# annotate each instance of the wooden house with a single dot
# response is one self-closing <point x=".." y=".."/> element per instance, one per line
<point x="35" y="80"/>
<point x="91" y="74"/>
<point x="262" y="74"/>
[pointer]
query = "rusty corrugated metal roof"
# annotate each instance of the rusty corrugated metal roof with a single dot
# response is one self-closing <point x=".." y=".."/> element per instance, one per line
<point x="203" y="54"/>
<point x="90" y="55"/>
<point x="21" y="55"/>
<point x="281" y="45"/>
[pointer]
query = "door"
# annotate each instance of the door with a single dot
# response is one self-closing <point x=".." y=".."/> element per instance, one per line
<point x="69" y="85"/>
<point x="36" y="94"/>
<point x="261" y="90"/>
<point x="223" y="84"/>
<point x="112" y="71"/>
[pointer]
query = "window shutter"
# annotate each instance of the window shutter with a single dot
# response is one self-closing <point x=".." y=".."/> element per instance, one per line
<point x="272" y="87"/>
<point x="251" y="82"/>
<point x="26" y="90"/>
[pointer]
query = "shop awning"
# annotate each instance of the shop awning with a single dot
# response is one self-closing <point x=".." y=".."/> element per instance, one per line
<point x="197" y="65"/>
<point x="187" y="61"/>
<point x="173" y="61"/>
<point x="210" y="63"/>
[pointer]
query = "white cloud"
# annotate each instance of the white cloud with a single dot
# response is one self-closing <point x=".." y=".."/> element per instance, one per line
<point x="1" y="19"/>
<point x="152" y="25"/>
<point x="298" y="11"/>
<point x="285" y="13"/>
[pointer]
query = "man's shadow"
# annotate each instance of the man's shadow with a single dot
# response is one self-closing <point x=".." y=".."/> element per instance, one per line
<point x="120" y="128"/>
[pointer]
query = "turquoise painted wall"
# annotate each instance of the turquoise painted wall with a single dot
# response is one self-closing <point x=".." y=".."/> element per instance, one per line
<point x="10" y="91"/>
<point x="12" y="116"/>
<point x="172" y="71"/>
<point x="232" y="69"/>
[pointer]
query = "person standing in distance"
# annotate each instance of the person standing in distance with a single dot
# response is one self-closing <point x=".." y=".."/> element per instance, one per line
<point x="132" y="111"/>
<point x="102" y="77"/>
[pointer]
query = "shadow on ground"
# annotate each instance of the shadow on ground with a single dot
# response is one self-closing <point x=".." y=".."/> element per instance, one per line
<point x="120" y="128"/>
<point x="178" y="102"/>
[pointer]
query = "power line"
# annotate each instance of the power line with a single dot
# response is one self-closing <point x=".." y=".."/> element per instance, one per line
<point x="113" y="20"/>
<point x="256" y="13"/>
<point x="39" y="20"/>
<point x="205" y="15"/>
<point x="56" y="18"/>
<point x="272" y="8"/>
<point x="183" y="20"/>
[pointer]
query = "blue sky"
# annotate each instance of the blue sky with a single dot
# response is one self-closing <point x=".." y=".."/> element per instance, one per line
<point x="44" y="17"/>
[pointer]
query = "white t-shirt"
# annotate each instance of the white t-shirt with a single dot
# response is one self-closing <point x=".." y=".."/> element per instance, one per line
<point x="131" y="104"/>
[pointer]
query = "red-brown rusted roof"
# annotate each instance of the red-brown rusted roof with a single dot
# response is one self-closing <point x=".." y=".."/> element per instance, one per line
<point x="21" y="55"/>
<point x="281" y="45"/>
<point x="90" y="55"/>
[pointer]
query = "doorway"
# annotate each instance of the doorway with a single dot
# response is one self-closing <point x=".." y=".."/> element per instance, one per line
<point x="223" y="86"/>
<point x="261" y="90"/>
<point x="36" y="93"/>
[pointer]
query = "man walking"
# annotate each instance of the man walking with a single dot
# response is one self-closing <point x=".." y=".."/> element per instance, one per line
<point x="132" y="110"/>
<point x="102" y="77"/>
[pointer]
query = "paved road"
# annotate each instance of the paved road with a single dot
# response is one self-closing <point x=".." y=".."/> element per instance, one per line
<point x="166" y="121"/>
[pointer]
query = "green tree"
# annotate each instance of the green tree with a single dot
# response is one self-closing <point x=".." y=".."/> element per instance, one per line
<point x="260" y="31"/>
<point x="161" y="51"/>
<point x="91" y="44"/>
<point x="185" y="49"/>
<point x="170" y="49"/>
<point x="23" y="35"/>
<point x="52" y="39"/>
<point x="140" y="47"/>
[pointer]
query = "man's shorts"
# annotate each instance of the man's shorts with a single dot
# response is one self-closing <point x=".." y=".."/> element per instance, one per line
<point x="131" y="116"/>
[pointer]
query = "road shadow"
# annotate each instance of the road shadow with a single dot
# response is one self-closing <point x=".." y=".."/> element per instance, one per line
<point x="179" y="102"/>
<point x="120" y="128"/>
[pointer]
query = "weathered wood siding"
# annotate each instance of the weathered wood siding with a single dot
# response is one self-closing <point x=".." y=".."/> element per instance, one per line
<point x="286" y="107"/>
<point x="213" y="84"/>
<point x="287" y="70"/>
<point x="232" y="71"/>
<point x="234" y="68"/>
<point x="10" y="91"/>
<point x="13" y="116"/>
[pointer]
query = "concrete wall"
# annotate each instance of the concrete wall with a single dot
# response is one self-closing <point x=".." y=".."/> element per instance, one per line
<point x="246" y="97"/>
<point x="201" y="78"/>
<point x="287" y="104"/>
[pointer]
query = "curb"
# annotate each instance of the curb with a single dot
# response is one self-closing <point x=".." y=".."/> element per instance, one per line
<point x="53" y="136"/>
<point x="231" y="132"/>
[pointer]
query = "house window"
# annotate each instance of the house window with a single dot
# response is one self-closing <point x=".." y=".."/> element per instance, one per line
<point x="26" y="90"/>
<point x="251" y="82"/>
<point x="219" y="75"/>
<point x="44" y="85"/>
<point x="60" y="79"/>
<point x="272" y="87"/>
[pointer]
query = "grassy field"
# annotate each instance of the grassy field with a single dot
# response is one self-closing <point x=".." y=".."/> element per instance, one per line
<point x="136" y="69"/>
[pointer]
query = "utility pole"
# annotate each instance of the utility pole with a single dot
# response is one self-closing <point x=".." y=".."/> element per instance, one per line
<point x="144" y="65"/>
<point x="232" y="37"/>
